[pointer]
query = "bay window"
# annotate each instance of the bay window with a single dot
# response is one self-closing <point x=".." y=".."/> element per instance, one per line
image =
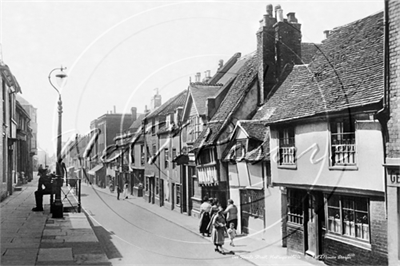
<point x="349" y="216"/>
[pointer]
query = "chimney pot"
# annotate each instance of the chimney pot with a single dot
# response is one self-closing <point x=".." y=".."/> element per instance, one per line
<point x="277" y="7"/>
<point x="327" y="33"/>
<point x="291" y="17"/>
<point x="220" y="63"/>
<point x="269" y="10"/>
<point x="280" y="15"/>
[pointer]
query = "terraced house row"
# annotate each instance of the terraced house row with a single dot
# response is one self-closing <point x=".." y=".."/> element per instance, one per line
<point x="303" y="137"/>
<point x="18" y="146"/>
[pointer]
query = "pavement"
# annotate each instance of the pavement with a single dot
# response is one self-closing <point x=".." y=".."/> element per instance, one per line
<point x="35" y="238"/>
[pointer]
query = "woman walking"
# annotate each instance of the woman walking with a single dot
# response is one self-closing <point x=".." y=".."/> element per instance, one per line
<point x="218" y="230"/>
<point x="205" y="208"/>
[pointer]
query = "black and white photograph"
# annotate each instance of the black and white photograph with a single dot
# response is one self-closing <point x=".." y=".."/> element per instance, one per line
<point x="203" y="132"/>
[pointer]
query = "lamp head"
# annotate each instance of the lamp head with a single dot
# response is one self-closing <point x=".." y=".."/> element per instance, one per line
<point x="61" y="77"/>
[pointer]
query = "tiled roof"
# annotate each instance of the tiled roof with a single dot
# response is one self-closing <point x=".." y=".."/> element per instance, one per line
<point x="138" y="122"/>
<point x="169" y="106"/>
<point x="200" y="92"/>
<point x="308" y="50"/>
<point x="234" y="97"/>
<point x="261" y="153"/>
<point x="254" y="129"/>
<point x="346" y="72"/>
<point x="225" y="70"/>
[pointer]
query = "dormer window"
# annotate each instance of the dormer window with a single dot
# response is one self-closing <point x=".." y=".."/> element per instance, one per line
<point x="343" y="142"/>
<point x="287" y="149"/>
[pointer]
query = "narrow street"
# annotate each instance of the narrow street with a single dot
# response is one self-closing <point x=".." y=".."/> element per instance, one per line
<point x="133" y="235"/>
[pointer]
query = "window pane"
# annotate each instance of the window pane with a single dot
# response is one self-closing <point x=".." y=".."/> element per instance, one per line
<point x="361" y="204"/>
<point x="334" y="223"/>
<point x="333" y="201"/>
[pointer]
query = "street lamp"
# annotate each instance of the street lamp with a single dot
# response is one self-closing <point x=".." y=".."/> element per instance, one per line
<point x="57" y="208"/>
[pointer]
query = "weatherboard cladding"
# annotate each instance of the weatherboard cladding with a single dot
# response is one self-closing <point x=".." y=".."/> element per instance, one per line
<point x="346" y="72"/>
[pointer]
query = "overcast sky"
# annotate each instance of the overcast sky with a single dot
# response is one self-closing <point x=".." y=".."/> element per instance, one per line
<point x="118" y="52"/>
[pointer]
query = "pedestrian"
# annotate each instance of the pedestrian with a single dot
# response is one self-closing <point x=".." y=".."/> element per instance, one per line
<point x="231" y="213"/>
<point x="125" y="194"/>
<point x="213" y="211"/>
<point x="118" y="191"/>
<point x="218" y="230"/>
<point x="44" y="188"/>
<point x="232" y="233"/>
<point x="205" y="208"/>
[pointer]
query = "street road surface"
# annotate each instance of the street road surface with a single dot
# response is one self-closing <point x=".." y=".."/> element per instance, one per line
<point x="133" y="235"/>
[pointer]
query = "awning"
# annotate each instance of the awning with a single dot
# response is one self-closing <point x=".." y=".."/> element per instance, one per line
<point x="95" y="169"/>
<point x="181" y="159"/>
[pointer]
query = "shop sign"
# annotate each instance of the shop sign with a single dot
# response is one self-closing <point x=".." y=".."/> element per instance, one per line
<point x="393" y="176"/>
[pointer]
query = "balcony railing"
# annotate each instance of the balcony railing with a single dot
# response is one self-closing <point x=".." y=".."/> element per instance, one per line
<point x="344" y="154"/>
<point x="287" y="155"/>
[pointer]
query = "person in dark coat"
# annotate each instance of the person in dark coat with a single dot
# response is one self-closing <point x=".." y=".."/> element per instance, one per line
<point x="218" y="230"/>
<point x="205" y="208"/>
<point x="44" y="188"/>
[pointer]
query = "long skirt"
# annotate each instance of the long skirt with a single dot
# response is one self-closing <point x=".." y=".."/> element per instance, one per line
<point x="204" y="221"/>
<point x="218" y="235"/>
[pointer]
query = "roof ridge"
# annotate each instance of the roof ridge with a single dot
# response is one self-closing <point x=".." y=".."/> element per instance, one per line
<point x="355" y="21"/>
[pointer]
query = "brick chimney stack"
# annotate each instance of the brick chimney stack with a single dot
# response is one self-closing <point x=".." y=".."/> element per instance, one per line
<point x="134" y="114"/>
<point x="287" y="41"/>
<point x="155" y="100"/>
<point x="266" y="54"/>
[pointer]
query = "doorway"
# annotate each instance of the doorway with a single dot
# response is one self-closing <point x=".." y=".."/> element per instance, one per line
<point x="314" y="212"/>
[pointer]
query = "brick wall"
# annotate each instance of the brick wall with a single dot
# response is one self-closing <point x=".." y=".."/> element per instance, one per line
<point x="393" y="144"/>
<point x="295" y="242"/>
<point x="378" y="253"/>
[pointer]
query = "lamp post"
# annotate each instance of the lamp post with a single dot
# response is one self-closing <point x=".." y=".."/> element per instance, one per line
<point x="57" y="207"/>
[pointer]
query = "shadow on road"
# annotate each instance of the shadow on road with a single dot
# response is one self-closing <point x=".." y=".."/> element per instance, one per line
<point x="104" y="238"/>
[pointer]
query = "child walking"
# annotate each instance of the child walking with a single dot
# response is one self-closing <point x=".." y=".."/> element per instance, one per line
<point x="232" y="233"/>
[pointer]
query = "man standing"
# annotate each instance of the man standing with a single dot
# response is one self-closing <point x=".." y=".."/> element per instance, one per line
<point x="231" y="214"/>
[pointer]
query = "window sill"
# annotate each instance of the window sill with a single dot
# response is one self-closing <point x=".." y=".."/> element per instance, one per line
<point x="294" y="225"/>
<point x="350" y="241"/>
<point x="344" y="167"/>
<point x="288" y="166"/>
<point x="207" y="165"/>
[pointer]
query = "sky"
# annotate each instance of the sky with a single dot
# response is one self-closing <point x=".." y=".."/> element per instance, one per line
<point x="118" y="52"/>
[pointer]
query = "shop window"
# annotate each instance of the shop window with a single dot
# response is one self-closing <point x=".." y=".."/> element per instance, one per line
<point x="252" y="202"/>
<point x="178" y="195"/>
<point x="295" y="206"/>
<point x="349" y="216"/>
<point x="287" y="149"/>
<point x="343" y="142"/>
<point x="166" y="158"/>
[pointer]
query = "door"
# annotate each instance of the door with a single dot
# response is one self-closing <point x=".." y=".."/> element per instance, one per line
<point x="313" y="225"/>
<point x="161" y="193"/>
